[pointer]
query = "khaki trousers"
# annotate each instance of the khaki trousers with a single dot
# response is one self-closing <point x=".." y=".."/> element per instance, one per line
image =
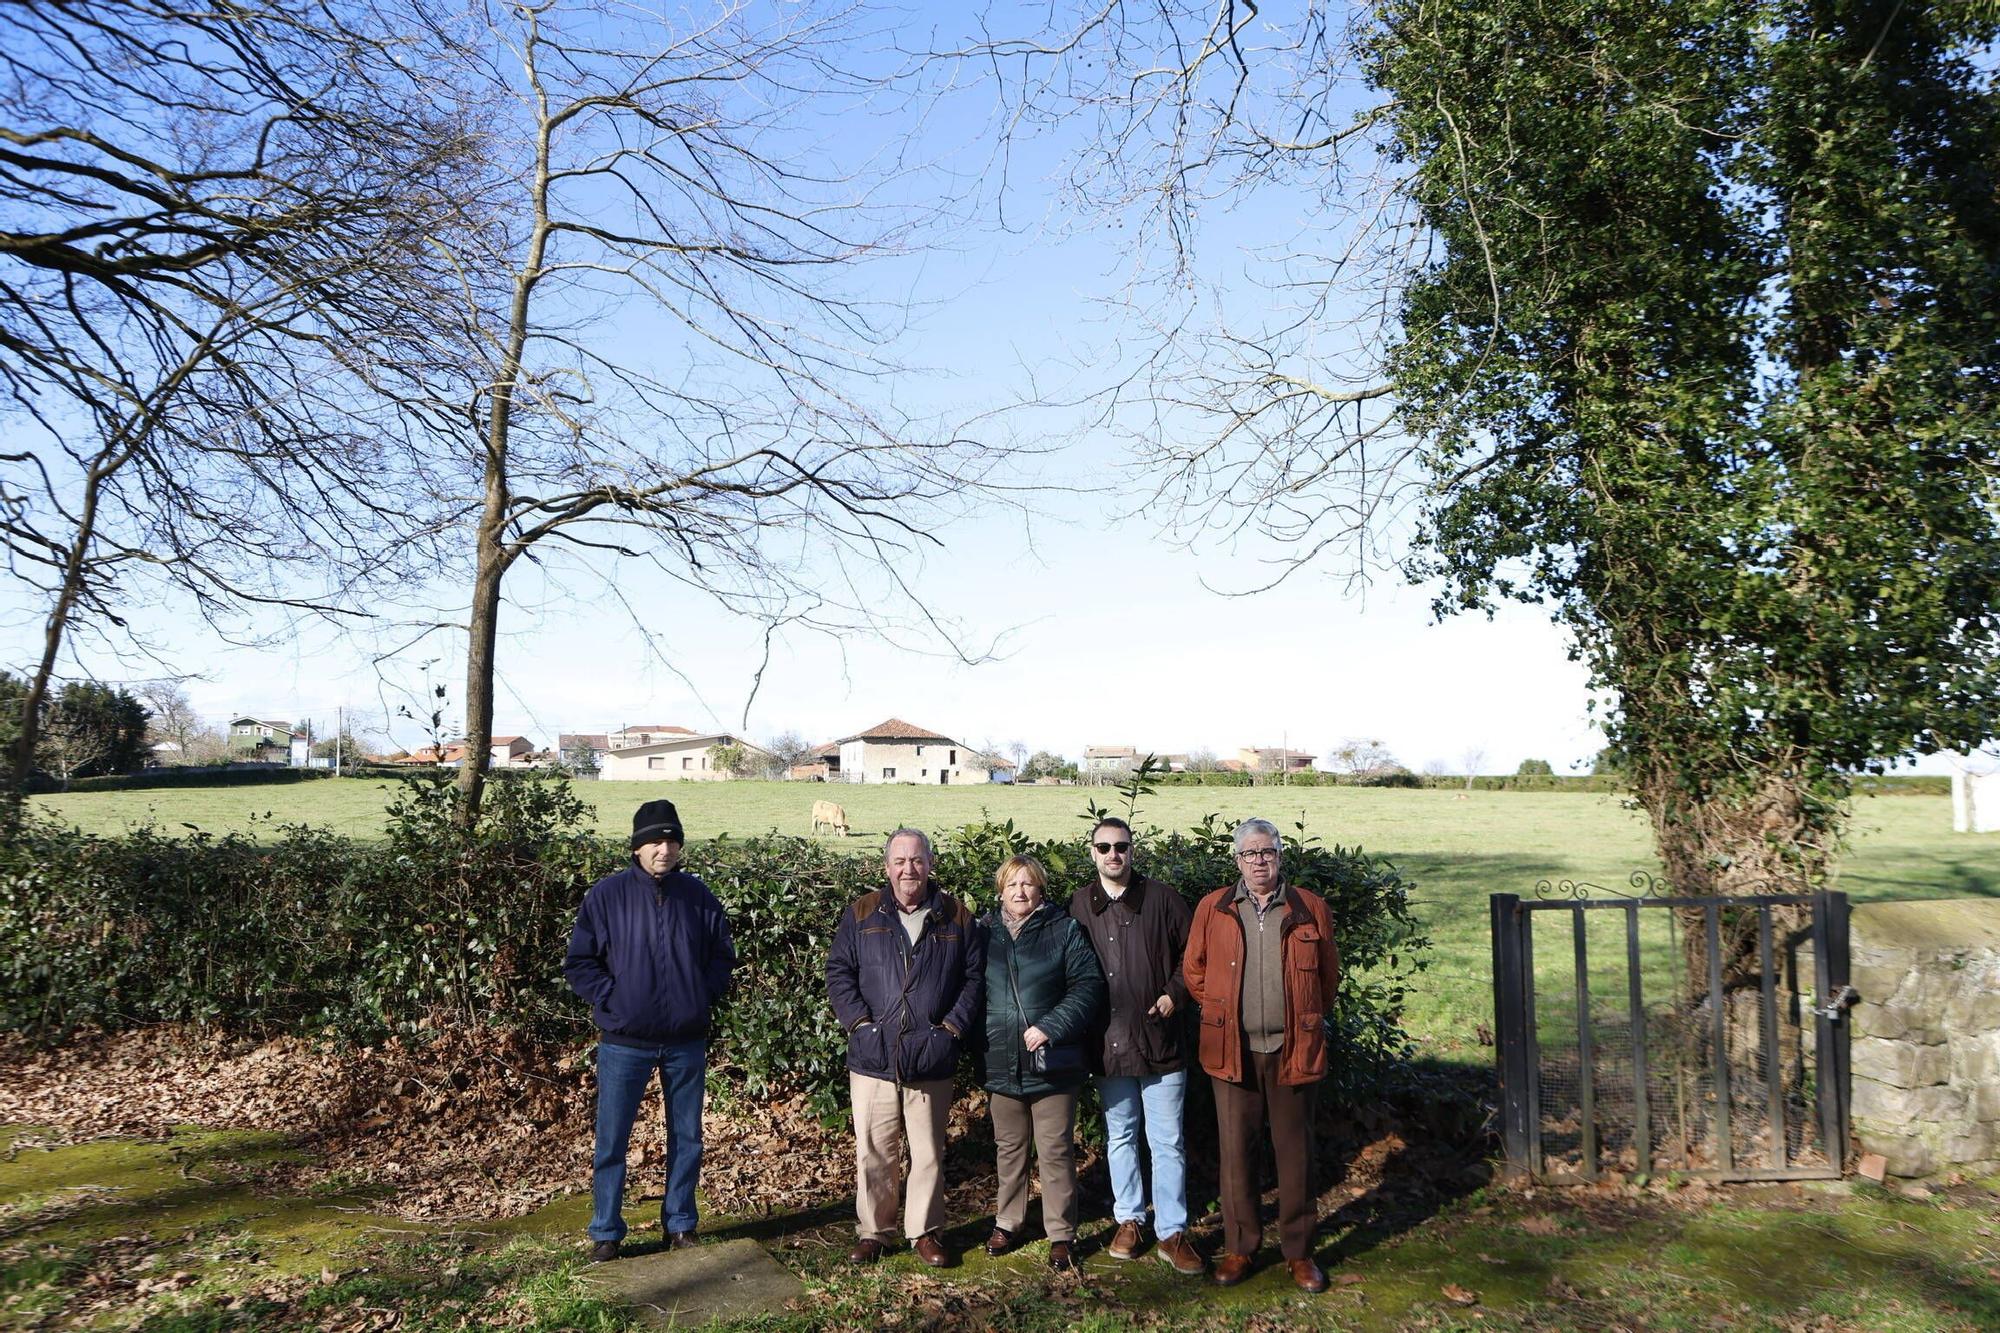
<point x="1242" y="1110"/>
<point x="1051" y="1119"/>
<point x="885" y="1114"/>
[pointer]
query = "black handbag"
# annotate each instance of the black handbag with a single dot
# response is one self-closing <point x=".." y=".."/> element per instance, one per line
<point x="1056" y="1058"/>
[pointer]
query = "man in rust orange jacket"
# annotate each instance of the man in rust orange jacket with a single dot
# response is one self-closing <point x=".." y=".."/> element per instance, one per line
<point x="1262" y="965"/>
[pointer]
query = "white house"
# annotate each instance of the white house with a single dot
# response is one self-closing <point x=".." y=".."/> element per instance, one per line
<point x="512" y="751"/>
<point x="570" y="745"/>
<point x="897" y="751"/>
<point x="1111" y="760"/>
<point x="682" y="756"/>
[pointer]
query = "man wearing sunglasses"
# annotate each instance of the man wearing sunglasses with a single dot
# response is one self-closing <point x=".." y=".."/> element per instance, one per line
<point x="1262" y="964"/>
<point x="1139" y="928"/>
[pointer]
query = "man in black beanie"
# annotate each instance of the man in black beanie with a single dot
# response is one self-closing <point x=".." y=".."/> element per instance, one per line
<point x="651" y="953"/>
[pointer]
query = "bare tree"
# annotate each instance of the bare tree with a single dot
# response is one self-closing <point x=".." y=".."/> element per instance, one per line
<point x="1264" y="422"/>
<point x="70" y="747"/>
<point x="173" y="719"/>
<point x="787" y="748"/>
<point x="212" y="215"/>
<point x="1473" y="757"/>
<point x="1354" y="756"/>
<point x="734" y="430"/>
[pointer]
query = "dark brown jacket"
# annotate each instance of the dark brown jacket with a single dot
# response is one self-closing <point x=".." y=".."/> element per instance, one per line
<point x="1130" y="1042"/>
<point x="1213" y="968"/>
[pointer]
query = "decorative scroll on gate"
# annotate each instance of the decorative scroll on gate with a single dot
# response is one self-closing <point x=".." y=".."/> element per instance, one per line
<point x="1641" y="1033"/>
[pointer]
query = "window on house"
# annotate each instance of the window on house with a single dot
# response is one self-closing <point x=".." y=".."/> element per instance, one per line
<point x="954" y="757"/>
<point x="687" y="762"/>
<point x="888" y="773"/>
<point x="656" y="761"/>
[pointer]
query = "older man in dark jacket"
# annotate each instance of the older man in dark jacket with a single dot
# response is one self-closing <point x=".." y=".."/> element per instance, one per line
<point x="1139" y="928"/>
<point x="906" y="976"/>
<point x="651" y="953"/>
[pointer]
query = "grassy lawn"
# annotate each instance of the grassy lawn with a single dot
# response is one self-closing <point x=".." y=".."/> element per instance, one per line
<point x="179" y="1235"/>
<point x="1457" y="851"/>
<point x="174" y="1235"/>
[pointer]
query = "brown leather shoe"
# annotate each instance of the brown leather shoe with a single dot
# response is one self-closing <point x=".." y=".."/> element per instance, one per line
<point x="680" y="1240"/>
<point x="1307" y="1274"/>
<point x="1125" y="1241"/>
<point x="604" y="1251"/>
<point x="866" y="1251"/>
<point x="1060" y="1258"/>
<point x="1180" y="1252"/>
<point x="1231" y="1269"/>
<point x="931" y="1250"/>
<point x="1001" y="1241"/>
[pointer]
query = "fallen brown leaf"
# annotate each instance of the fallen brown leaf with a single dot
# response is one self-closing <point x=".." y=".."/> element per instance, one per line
<point x="1458" y="1295"/>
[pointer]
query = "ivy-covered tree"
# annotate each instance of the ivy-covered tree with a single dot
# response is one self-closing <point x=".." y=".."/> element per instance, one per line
<point x="1706" y="358"/>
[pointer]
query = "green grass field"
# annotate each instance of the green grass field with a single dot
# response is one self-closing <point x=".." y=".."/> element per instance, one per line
<point x="1456" y="850"/>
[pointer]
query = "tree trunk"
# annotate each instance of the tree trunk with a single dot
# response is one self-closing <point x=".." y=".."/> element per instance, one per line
<point x="14" y="805"/>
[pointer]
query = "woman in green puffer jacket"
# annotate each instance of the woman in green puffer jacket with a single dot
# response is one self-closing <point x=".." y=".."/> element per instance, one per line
<point x="1044" y="991"/>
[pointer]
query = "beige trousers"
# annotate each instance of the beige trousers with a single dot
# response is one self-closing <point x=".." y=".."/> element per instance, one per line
<point x="1051" y="1120"/>
<point x="885" y="1114"/>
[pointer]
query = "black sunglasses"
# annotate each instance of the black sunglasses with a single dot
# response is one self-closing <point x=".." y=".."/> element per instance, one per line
<point x="1106" y="848"/>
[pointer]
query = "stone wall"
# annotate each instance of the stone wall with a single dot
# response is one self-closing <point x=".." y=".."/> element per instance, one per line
<point x="1926" y="1036"/>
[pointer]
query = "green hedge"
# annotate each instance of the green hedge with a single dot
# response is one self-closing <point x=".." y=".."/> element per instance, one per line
<point x="316" y="934"/>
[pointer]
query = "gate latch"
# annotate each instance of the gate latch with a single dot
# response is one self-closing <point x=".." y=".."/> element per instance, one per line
<point x="1844" y="998"/>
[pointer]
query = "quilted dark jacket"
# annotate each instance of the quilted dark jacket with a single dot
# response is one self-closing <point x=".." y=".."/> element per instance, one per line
<point x="1045" y="977"/>
<point x="906" y="1011"/>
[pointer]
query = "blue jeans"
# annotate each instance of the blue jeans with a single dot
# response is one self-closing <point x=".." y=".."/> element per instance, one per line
<point x="623" y="1075"/>
<point x="1156" y="1099"/>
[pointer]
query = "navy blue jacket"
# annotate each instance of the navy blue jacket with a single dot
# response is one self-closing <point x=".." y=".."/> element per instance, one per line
<point x="906" y="1021"/>
<point x="651" y="958"/>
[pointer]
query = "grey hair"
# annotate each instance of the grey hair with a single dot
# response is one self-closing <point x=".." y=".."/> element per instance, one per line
<point x="916" y="833"/>
<point x="1250" y="826"/>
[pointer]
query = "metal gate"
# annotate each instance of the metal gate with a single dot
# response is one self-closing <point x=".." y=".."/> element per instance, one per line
<point x="1660" y="1034"/>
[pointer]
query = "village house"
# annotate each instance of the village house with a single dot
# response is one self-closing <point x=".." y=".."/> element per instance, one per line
<point x="679" y="753"/>
<point x="819" y="764"/>
<point x="259" y="738"/>
<point x="897" y="751"/>
<point x="1255" y="759"/>
<point x="626" y="738"/>
<point x="1109" y="760"/>
<point x="571" y="747"/>
<point x="507" y="752"/>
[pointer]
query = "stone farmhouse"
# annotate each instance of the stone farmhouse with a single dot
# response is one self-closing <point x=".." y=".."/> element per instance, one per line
<point x="898" y="751"/>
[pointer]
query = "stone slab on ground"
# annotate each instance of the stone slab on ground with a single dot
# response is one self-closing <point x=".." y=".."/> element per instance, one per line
<point x="731" y="1279"/>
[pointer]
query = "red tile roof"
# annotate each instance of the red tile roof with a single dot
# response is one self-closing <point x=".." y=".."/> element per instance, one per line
<point x="895" y="729"/>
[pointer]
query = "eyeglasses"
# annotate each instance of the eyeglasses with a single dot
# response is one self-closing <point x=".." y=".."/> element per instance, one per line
<point x="1258" y="854"/>
<point x="1106" y="848"/>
